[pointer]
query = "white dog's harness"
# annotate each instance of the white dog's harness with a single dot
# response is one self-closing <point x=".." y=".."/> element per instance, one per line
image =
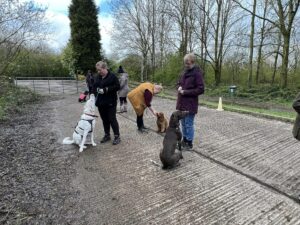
<point x="80" y="132"/>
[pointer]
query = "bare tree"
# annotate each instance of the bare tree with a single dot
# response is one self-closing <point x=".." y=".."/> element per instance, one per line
<point x="262" y="38"/>
<point x="202" y="27"/>
<point x="21" y="24"/>
<point x="132" y="31"/>
<point x="251" y="48"/>
<point x="180" y="13"/>
<point x="221" y="23"/>
<point x="277" y="53"/>
<point x="283" y="18"/>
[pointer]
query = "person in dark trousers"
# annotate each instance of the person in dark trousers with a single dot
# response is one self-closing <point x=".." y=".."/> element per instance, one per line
<point x="105" y="87"/>
<point x="190" y="86"/>
<point x="296" y="128"/>
<point x="123" y="89"/>
<point x="140" y="99"/>
<point x="89" y="79"/>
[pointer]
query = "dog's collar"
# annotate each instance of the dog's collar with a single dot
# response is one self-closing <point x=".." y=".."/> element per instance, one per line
<point x="90" y="115"/>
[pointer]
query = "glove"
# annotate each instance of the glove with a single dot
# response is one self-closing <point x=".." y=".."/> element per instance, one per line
<point x="100" y="91"/>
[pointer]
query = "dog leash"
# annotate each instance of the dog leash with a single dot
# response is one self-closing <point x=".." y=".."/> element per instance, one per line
<point x="91" y="115"/>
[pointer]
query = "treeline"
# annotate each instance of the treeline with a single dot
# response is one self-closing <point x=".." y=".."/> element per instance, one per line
<point x="23" y="51"/>
<point x="242" y="42"/>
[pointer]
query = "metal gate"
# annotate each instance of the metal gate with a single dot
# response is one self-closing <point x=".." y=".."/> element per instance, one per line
<point x="51" y="85"/>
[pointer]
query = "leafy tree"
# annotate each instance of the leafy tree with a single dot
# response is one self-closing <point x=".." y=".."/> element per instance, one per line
<point x="85" y="34"/>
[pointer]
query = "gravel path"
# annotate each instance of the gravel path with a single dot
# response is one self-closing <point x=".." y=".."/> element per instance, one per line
<point x="244" y="170"/>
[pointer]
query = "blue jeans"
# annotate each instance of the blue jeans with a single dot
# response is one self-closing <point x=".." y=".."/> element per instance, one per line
<point x="187" y="125"/>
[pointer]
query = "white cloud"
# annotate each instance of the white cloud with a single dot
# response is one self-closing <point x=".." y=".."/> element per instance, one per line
<point x="60" y="30"/>
<point x="57" y="15"/>
<point x="106" y="26"/>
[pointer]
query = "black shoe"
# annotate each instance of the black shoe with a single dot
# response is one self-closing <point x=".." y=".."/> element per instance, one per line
<point x="145" y="128"/>
<point x="188" y="146"/>
<point x="106" y="138"/>
<point x="117" y="140"/>
<point x="142" y="130"/>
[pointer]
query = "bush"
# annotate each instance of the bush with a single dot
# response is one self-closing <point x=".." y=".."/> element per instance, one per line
<point x="13" y="99"/>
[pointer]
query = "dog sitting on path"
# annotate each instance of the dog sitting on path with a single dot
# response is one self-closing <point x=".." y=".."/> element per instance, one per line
<point x="162" y="122"/>
<point x="168" y="156"/>
<point x="85" y="126"/>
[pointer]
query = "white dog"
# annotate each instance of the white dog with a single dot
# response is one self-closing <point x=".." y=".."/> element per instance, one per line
<point x="85" y="126"/>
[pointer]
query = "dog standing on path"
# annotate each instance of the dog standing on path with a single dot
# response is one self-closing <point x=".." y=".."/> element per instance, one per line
<point x="85" y="126"/>
<point x="168" y="156"/>
<point x="162" y="122"/>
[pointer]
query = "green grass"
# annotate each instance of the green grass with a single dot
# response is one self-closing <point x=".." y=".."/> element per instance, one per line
<point x="259" y="94"/>
<point x="13" y="99"/>
<point x="266" y="113"/>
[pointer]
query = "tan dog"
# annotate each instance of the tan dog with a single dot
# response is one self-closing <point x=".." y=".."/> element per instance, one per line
<point x="162" y="122"/>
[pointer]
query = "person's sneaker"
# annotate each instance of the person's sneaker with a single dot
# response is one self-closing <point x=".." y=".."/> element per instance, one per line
<point x="106" y="138"/>
<point x="117" y="140"/>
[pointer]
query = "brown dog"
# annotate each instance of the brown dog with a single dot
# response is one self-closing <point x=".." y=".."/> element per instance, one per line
<point x="162" y="122"/>
<point x="168" y="156"/>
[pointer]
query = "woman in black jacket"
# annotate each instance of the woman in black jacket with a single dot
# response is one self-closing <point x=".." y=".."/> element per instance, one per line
<point x="105" y="88"/>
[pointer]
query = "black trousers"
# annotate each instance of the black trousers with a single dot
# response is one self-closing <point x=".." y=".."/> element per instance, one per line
<point x="123" y="100"/>
<point x="108" y="115"/>
<point x="140" y="121"/>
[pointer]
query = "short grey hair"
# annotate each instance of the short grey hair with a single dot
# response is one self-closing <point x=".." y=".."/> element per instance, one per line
<point x="190" y="56"/>
<point x="101" y="64"/>
<point x="157" y="88"/>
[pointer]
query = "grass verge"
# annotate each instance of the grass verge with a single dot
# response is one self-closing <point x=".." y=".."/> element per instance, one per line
<point x="14" y="99"/>
<point x="258" y="112"/>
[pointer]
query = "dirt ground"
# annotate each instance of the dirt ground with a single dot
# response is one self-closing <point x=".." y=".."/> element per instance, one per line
<point x="244" y="170"/>
<point x="35" y="173"/>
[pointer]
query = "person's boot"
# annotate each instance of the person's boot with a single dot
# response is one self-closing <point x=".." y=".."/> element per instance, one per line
<point x="116" y="140"/>
<point x="125" y="107"/>
<point x="142" y="129"/>
<point x="121" y="108"/>
<point x="189" y="146"/>
<point x="106" y="138"/>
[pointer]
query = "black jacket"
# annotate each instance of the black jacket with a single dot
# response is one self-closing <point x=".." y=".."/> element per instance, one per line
<point x="110" y="84"/>
<point x="296" y="128"/>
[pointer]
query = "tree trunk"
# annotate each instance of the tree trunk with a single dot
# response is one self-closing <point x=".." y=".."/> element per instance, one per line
<point x="262" y="37"/>
<point x="285" y="60"/>
<point x="217" y="72"/>
<point x="153" y="37"/>
<point x="250" y="68"/>
<point x="217" y="75"/>
<point x="276" y="60"/>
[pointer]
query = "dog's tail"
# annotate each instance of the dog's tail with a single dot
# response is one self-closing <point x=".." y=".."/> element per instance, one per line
<point x="68" y="141"/>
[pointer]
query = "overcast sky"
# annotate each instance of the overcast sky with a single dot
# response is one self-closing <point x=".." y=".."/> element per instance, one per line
<point x="57" y="15"/>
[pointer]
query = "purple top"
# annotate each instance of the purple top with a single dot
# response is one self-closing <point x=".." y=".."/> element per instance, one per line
<point x="192" y="83"/>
